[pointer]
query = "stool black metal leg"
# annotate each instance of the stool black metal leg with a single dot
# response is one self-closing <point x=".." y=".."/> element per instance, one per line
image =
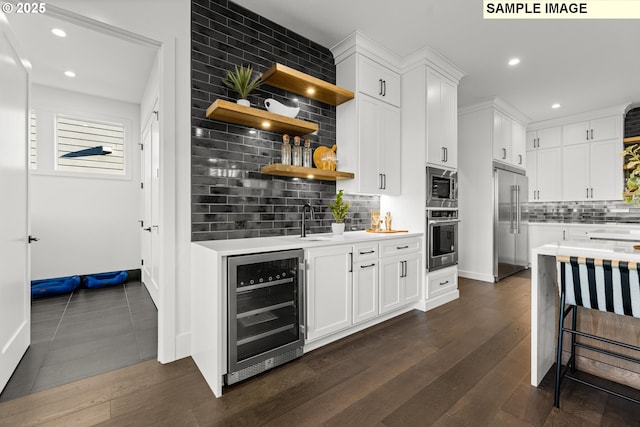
<point x="574" y="317"/>
<point x="556" y="400"/>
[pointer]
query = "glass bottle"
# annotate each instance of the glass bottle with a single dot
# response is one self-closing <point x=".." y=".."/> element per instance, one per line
<point x="306" y="153"/>
<point x="296" y="152"/>
<point x="286" y="150"/>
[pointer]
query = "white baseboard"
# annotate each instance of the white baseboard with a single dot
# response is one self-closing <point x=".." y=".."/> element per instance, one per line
<point x="183" y="345"/>
<point x="476" y="276"/>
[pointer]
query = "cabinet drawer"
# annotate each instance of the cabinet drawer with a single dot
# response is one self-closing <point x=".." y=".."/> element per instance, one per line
<point x="399" y="246"/>
<point x="365" y="251"/>
<point x="441" y="282"/>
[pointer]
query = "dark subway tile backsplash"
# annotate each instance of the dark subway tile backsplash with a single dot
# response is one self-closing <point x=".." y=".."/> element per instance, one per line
<point x="231" y="199"/>
<point x="583" y="212"/>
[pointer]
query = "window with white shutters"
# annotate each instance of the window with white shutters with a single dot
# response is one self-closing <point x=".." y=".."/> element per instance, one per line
<point x="75" y="134"/>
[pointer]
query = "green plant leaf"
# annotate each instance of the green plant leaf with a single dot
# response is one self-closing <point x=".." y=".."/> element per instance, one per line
<point x="338" y="208"/>
<point x="240" y="81"/>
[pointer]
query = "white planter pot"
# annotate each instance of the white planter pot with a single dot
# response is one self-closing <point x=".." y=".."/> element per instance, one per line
<point x="244" y="102"/>
<point x="337" y="228"/>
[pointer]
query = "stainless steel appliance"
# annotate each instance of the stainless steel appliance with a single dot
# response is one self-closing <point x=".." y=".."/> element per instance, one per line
<point x="442" y="236"/>
<point x="442" y="188"/>
<point x="265" y="307"/>
<point x="510" y="224"/>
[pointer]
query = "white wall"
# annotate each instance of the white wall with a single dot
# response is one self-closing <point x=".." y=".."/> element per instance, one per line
<point x="86" y="224"/>
<point x="168" y="22"/>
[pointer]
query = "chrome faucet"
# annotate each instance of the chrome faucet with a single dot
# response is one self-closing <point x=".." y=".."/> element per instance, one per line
<point x="304" y="225"/>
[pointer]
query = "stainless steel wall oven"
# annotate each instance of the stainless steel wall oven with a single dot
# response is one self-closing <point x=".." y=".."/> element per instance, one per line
<point x="265" y="308"/>
<point x="442" y="236"/>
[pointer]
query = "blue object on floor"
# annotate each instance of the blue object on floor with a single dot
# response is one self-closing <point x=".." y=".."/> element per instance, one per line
<point x="101" y="280"/>
<point x="56" y="286"/>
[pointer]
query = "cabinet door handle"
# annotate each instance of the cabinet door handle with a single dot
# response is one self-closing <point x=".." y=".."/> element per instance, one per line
<point x="592" y="134"/>
<point x="384" y="181"/>
<point x="367" y="266"/>
<point x="444" y="283"/>
<point x="350" y="262"/>
<point x="402" y="247"/>
<point x="587" y="193"/>
<point x="592" y="192"/>
<point x="405" y="268"/>
<point x="504" y="153"/>
<point x="519" y="159"/>
<point x="384" y="88"/>
<point x="380" y="81"/>
<point x="366" y="252"/>
<point x="587" y="134"/>
<point x="564" y="235"/>
<point x="380" y="186"/>
<point x="538" y="140"/>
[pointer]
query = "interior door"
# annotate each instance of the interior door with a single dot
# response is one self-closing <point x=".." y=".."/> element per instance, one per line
<point x="15" y="295"/>
<point x="151" y="195"/>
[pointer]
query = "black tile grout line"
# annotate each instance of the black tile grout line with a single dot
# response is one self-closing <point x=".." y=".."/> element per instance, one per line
<point x="133" y="325"/>
<point x="53" y="337"/>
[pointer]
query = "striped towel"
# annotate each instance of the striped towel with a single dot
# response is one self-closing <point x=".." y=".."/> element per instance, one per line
<point x="600" y="284"/>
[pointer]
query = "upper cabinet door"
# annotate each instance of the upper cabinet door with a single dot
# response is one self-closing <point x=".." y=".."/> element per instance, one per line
<point x="378" y="81"/>
<point x="549" y="137"/>
<point x="442" y="120"/>
<point x="605" y="128"/>
<point x="518" y="148"/>
<point x="575" y="133"/>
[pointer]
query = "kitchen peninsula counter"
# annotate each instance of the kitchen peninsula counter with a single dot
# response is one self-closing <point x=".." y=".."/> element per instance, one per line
<point x="544" y="312"/>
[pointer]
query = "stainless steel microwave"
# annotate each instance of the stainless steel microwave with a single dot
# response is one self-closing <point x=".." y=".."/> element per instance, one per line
<point x="442" y="188"/>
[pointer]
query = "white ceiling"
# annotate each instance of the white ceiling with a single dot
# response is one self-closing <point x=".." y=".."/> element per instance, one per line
<point x="581" y="64"/>
<point x="105" y="66"/>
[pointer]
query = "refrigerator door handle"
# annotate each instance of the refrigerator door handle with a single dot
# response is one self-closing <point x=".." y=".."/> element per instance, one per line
<point x="518" y="209"/>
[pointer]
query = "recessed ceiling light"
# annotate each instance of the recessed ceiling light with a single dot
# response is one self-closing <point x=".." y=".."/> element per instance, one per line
<point x="311" y="91"/>
<point x="556" y="105"/>
<point x="266" y="125"/>
<point x="69" y="73"/>
<point x="514" y="61"/>
<point x="58" y="32"/>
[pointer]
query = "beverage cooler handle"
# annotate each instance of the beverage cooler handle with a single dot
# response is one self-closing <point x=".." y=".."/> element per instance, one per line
<point x="302" y="272"/>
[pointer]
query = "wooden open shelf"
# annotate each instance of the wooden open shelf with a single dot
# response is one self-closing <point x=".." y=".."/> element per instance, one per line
<point x="307" y="173"/>
<point x="239" y="114"/>
<point x="295" y="81"/>
<point x="631" y="140"/>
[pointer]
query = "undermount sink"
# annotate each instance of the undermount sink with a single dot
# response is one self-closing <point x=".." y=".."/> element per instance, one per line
<point x="317" y="238"/>
<point x="314" y="237"/>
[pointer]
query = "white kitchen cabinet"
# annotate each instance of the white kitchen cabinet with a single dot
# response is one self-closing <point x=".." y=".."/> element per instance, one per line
<point x="329" y="290"/>
<point x="518" y="145"/>
<point x="400" y="274"/>
<point x="378" y="81"/>
<point x="598" y="129"/>
<point x="368" y="129"/>
<point x="441" y="282"/>
<point x="442" y="120"/>
<point x="592" y="171"/>
<point x="365" y="282"/>
<point x="509" y="144"/>
<point x="544" y="138"/>
<point x="544" y="170"/>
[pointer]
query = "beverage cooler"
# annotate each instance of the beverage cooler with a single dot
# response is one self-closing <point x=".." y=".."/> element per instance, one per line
<point x="265" y="307"/>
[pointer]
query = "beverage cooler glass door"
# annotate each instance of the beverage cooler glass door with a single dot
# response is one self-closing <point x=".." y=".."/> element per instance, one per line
<point x="265" y="300"/>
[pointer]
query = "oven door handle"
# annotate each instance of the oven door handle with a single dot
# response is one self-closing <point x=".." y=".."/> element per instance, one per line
<point x="449" y="221"/>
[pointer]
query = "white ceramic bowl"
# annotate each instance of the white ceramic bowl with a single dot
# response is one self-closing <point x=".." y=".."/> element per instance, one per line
<point x="276" y="107"/>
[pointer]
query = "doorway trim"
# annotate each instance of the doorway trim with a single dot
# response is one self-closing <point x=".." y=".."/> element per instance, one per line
<point x="167" y="218"/>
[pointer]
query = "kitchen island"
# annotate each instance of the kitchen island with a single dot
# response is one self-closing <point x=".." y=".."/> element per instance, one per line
<point x="351" y="282"/>
<point x="544" y="313"/>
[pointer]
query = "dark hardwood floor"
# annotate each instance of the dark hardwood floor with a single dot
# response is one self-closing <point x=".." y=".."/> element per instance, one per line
<point x="462" y="364"/>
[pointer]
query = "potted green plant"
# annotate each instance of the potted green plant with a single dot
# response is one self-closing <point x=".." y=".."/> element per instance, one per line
<point x="240" y="81"/>
<point x="632" y="159"/>
<point x="339" y="210"/>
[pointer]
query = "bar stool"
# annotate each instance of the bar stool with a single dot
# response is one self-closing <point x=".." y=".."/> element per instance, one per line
<point x="597" y="284"/>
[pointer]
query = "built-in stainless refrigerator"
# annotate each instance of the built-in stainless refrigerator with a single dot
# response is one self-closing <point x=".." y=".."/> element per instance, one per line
<point x="510" y="222"/>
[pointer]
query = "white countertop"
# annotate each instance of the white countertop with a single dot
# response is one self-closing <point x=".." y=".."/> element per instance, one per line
<point x="278" y="243"/>
<point x="613" y="250"/>
<point x="628" y="234"/>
